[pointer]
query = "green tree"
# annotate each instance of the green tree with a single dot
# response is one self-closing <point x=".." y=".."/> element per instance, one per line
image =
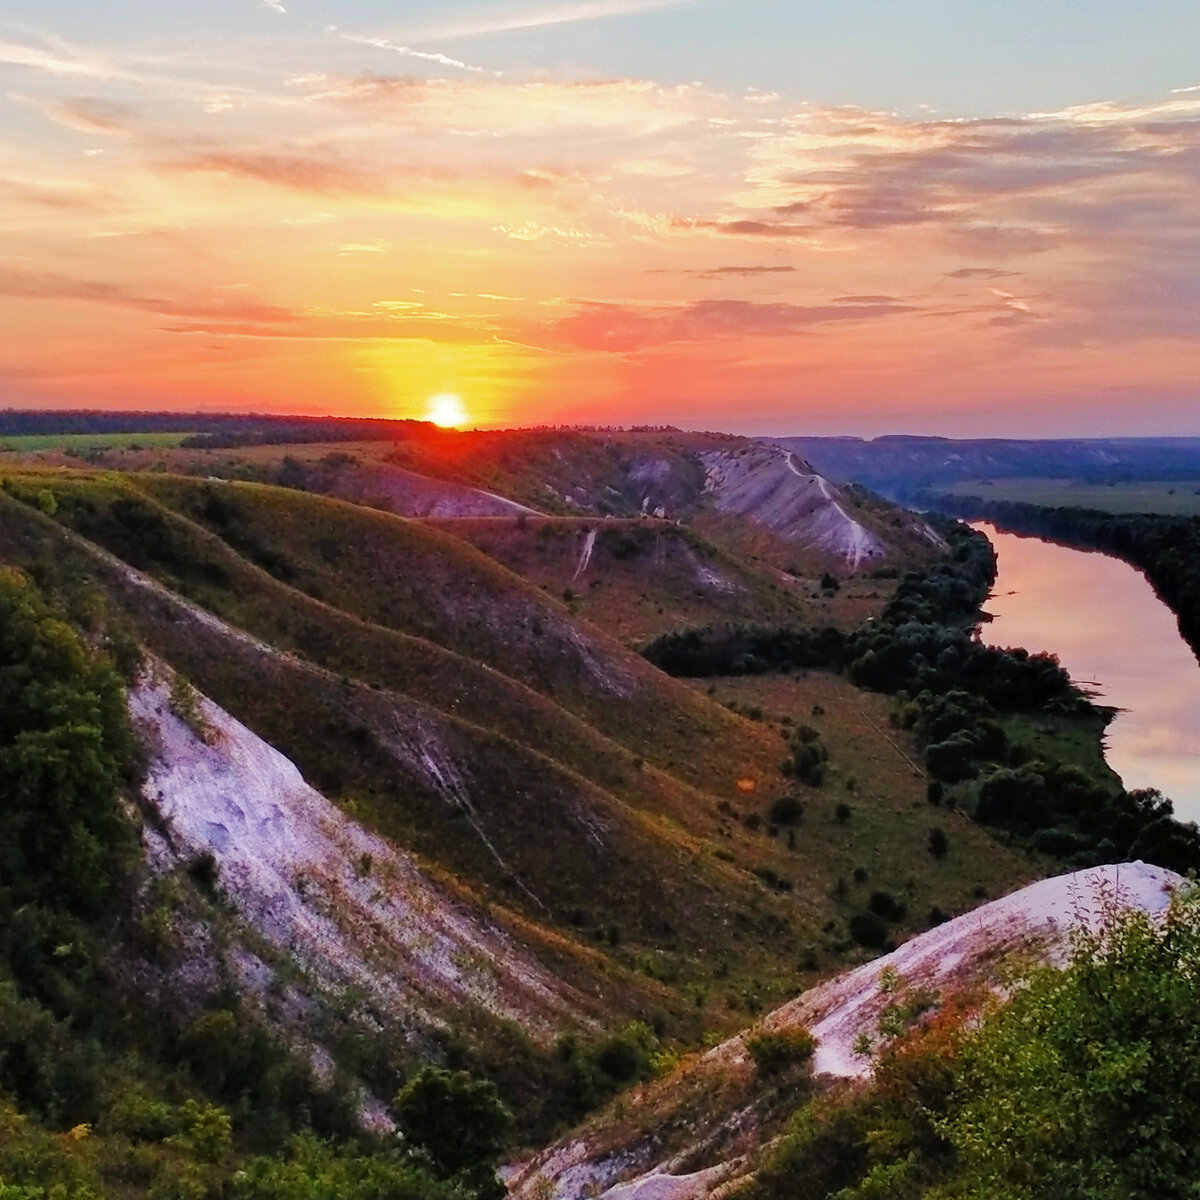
<point x="1087" y="1085"/>
<point x="458" y="1122"/>
<point x="65" y="748"/>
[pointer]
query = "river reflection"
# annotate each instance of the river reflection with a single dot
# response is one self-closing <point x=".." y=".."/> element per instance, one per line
<point x="1114" y="635"/>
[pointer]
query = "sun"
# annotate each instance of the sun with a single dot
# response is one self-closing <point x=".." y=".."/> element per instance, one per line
<point x="446" y="409"/>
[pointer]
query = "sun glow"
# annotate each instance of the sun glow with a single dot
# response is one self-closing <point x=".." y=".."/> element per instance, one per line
<point x="446" y="409"/>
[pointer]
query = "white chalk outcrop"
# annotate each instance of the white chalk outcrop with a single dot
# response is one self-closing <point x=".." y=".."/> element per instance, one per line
<point x="962" y="953"/>
<point x="769" y="486"/>
<point x="341" y="902"/>
<point x="626" y="1159"/>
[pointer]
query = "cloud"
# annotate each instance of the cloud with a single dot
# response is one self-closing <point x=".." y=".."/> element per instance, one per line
<point x="57" y="57"/>
<point x="275" y="6"/>
<point x="619" y="328"/>
<point x="747" y="271"/>
<point x="524" y="17"/>
<point x="485" y="107"/>
<point x="381" y="43"/>
<point x="745" y="227"/>
<point x="65" y="197"/>
<point x="45" y="285"/>
<point x="92" y="115"/>
<point x="978" y="273"/>
<point x="323" y="173"/>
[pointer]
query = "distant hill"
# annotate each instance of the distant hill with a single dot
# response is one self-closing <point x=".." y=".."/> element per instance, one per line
<point x="895" y="463"/>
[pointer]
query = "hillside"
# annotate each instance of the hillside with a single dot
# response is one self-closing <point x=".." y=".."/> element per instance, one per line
<point x="589" y="776"/>
<point x="409" y="793"/>
<point x="757" y="502"/>
<point x="717" y="1116"/>
<point x="899" y="463"/>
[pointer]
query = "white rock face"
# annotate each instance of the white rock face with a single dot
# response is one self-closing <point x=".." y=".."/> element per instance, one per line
<point x="770" y="487"/>
<point x="346" y="905"/>
<point x="624" y="1159"/>
<point x="964" y="951"/>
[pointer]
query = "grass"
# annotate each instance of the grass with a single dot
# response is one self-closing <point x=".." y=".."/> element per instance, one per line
<point x="644" y="812"/>
<point x="82" y="443"/>
<point x="1172" y="497"/>
<point x="644" y="576"/>
<point x="1072" y="741"/>
<point x="637" y="851"/>
<point x="873" y="769"/>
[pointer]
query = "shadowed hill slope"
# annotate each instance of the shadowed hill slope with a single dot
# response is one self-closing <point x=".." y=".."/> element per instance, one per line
<point x="625" y="825"/>
<point x="636" y="578"/>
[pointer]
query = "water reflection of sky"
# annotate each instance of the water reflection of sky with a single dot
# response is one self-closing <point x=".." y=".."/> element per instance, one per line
<point x="1103" y="620"/>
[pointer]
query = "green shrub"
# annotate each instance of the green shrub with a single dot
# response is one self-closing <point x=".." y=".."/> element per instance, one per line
<point x="66" y="749"/>
<point x="774" y="1051"/>
<point x="457" y="1122"/>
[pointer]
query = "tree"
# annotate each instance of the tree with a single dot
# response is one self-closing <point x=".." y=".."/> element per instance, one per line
<point x="459" y="1123"/>
<point x="1086" y="1086"/>
<point x="65" y="750"/>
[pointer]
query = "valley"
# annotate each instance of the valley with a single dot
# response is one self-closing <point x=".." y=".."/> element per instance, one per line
<point x="551" y="758"/>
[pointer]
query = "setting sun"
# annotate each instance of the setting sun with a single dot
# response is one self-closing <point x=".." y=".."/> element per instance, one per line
<point x="446" y="409"/>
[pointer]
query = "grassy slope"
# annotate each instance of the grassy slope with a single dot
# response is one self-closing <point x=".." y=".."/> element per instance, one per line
<point x="79" y="443"/>
<point x="874" y="769"/>
<point x="655" y="877"/>
<point x="643" y="577"/>
<point x="578" y="474"/>
<point x="366" y="593"/>
<point x="541" y="818"/>
<point x="403" y="576"/>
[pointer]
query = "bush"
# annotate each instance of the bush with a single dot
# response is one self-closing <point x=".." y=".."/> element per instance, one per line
<point x="787" y="810"/>
<point x="884" y="904"/>
<point x="808" y="756"/>
<point x="457" y="1122"/>
<point x="775" y="1051"/>
<point x="65" y="750"/>
<point x="869" y="931"/>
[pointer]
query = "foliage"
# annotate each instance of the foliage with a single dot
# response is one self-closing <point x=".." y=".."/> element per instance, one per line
<point x="1086" y="1086"/>
<point x="65" y="750"/>
<point x="807" y="758"/>
<point x="1082" y="1087"/>
<point x="316" y="1170"/>
<point x="776" y="1050"/>
<point x="457" y="1122"/>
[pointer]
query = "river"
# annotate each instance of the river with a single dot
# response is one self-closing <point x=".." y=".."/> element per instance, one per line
<point x="1117" y="639"/>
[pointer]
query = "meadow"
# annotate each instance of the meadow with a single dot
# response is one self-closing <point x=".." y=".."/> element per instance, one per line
<point x="1170" y="497"/>
<point x="83" y="443"/>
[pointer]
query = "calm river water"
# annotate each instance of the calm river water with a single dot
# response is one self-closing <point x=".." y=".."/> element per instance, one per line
<point x="1114" y="636"/>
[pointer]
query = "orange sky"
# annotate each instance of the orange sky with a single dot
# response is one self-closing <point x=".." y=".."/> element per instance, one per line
<point x="559" y="247"/>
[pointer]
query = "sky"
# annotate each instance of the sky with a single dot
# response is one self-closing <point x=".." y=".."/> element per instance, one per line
<point x="961" y="217"/>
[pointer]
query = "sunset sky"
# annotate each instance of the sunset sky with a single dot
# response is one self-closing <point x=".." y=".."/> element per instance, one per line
<point x="968" y="217"/>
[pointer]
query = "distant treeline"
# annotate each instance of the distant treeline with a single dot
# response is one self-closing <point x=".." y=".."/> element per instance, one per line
<point x="1165" y="548"/>
<point x="211" y="429"/>
<point x="923" y="642"/>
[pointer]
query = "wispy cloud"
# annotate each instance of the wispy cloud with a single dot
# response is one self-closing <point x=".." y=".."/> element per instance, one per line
<point x="515" y="18"/>
<point x="56" y="57"/>
<point x="978" y="273"/>
<point x="46" y="285"/>
<point x="623" y="328"/>
<point x="275" y="6"/>
<point x="747" y="272"/>
<point x="320" y="172"/>
<point x="430" y="56"/>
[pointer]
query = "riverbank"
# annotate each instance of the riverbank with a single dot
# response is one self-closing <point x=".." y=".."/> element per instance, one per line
<point x="1165" y="548"/>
